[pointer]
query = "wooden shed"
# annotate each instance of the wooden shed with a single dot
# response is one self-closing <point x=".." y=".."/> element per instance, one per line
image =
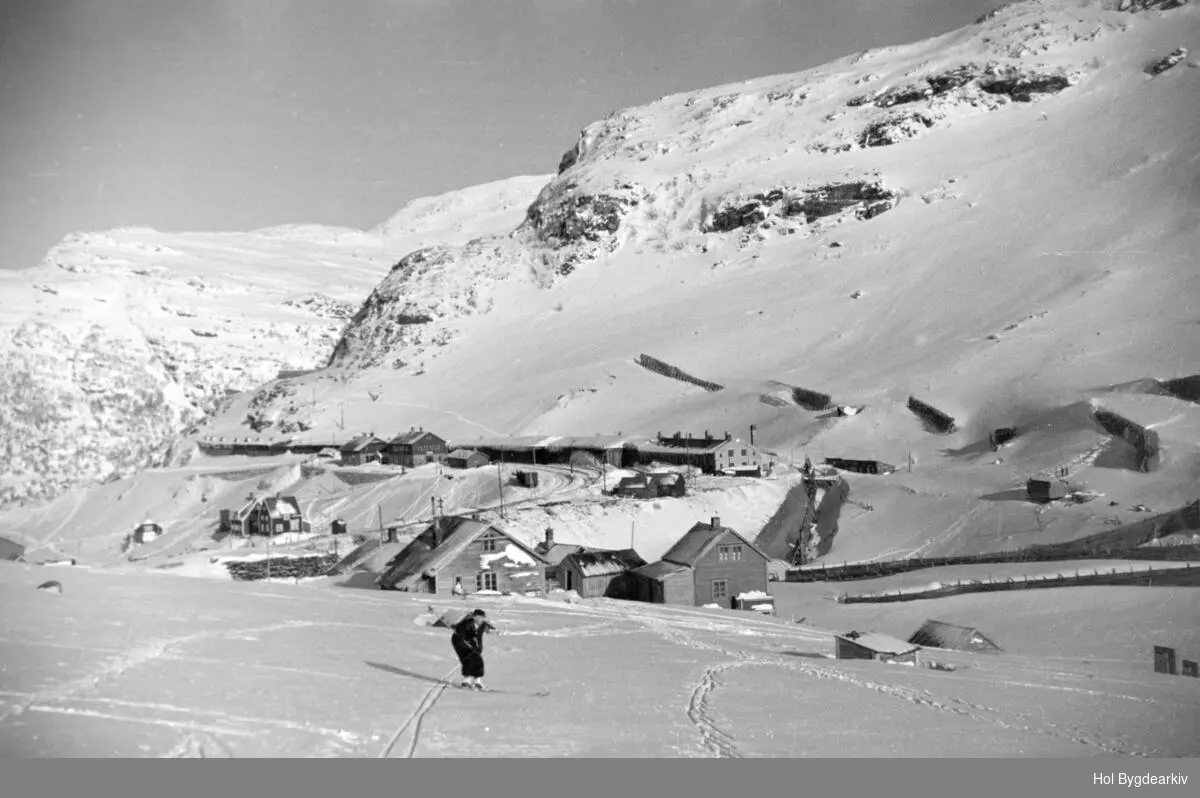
<point x="1045" y="489"/>
<point x="666" y="583"/>
<point x="872" y="645"/>
<point x="939" y="634"/>
<point x="595" y="573"/>
<point x="466" y="458"/>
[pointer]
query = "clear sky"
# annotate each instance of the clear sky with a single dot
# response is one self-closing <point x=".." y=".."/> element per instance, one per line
<point x="237" y="114"/>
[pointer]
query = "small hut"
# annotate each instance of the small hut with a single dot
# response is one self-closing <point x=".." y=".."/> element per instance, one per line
<point x="939" y="634"/>
<point x="872" y="645"/>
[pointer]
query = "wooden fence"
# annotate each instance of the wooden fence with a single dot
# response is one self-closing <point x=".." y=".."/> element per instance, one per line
<point x="667" y="370"/>
<point x="1187" y="576"/>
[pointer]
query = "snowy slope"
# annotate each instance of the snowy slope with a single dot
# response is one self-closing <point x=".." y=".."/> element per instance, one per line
<point x="120" y="339"/>
<point x="1000" y="221"/>
<point x="129" y="665"/>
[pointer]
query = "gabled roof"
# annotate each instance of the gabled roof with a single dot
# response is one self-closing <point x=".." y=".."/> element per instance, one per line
<point x="690" y="548"/>
<point x="556" y="553"/>
<point x="880" y="643"/>
<point x="465" y="453"/>
<point x="359" y="443"/>
<point x="660" y="570"/>
<point x="600" y="562"/>
<point x="282" y="505"/>
<point x="421" y="555"/>
<point x="412" y="437"/>
<point x="939" y="634"/>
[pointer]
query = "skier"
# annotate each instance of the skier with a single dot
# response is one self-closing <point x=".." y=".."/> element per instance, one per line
<point x="468" y="645"/>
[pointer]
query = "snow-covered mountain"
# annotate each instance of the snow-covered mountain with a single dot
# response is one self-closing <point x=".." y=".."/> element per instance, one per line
<point x="121" y="339"/>
<point x="1000" y="221"/>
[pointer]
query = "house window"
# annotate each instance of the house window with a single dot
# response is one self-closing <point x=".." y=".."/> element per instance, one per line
<point x="729" y="553"/>
<point x="485" y="580"/>
<point x="743" y="452"/>
<point x="488" y="544"/>
<point x="720" y="589"/>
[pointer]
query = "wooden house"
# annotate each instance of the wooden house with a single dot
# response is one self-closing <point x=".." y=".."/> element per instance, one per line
<point x="466" y="458"/>
<point x="265" y="515"/>
<point x="464" y="551"/>
<point x="596" y="573"/>
<point x="709" y="454"/>
<point x="362" y="450"/>
<point x="872" y="645"/>
<point x="939" y="634"/>
<point x="414" y="448"/>
<point x="710" y="564"/>
<point x="1190" y="668"/>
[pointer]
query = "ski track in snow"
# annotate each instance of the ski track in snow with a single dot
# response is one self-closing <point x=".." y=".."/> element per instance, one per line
<point x="712" y="736"/>
<point x="414" y="720"/>
<point x="154" y="651"/>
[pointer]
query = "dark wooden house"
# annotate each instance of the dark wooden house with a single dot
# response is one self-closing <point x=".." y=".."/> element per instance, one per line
<point x="596" y="573"/>
<point x="872" y="645"/>
<point x="651" y="486"/>
<point x="362" y="450"/>
<point x="475" y="555"/>
<point x="414" y="448"/>
<point x="265" y="515"/>
<point x="1190" y="668"/>
<point x="710" y="564"/>
<point x="466" y="458"/>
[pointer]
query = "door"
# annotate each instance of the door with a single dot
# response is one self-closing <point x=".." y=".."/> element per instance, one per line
<point x="570" y="579"/>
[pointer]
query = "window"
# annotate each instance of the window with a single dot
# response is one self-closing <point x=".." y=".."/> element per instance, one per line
<point x="488" y="544"/>
<point x="485" y="580"/>
<point x="743" y="452"/>
<point x="729" y="553"/>
<point x="720" y="589"/>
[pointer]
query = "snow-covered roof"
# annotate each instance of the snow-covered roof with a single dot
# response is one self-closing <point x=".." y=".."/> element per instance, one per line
<point x="881" y="643"/>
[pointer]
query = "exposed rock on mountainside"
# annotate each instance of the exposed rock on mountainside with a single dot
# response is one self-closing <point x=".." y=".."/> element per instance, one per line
<point x="121" y="340"/>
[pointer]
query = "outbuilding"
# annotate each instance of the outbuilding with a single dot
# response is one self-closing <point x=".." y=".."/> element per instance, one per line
<point x="872" y="645"/>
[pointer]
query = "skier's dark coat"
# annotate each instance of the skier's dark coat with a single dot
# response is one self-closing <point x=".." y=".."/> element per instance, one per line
<point x="468" y="645"/>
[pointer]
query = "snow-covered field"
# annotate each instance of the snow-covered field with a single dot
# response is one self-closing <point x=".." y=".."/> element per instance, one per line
<point x="146" y="666"/>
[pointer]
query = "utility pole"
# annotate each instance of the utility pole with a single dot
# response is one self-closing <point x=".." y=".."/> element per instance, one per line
<point x="500" y="481"/>
<point x="379" y="507"/>
<point x="632" y="530"/>
<point x="270" y="536"/>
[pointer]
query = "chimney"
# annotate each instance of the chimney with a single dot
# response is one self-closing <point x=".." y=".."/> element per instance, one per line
<point x="751" y="434"/>
<point x="716" y="521"/>
<point x="726" y="434"/>
<point x="549" y="536"/>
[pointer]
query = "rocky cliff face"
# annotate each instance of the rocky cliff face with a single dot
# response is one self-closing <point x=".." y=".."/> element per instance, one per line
<point x="121" y="340"/>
